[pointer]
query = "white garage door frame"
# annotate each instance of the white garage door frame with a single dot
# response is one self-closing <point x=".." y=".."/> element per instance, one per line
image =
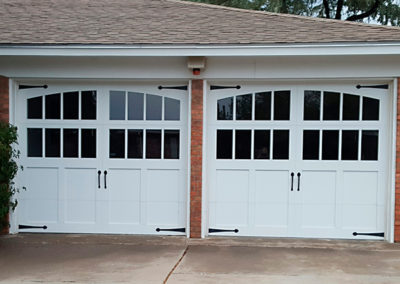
<point x="391" y="132"/>
<point x="110" y="164"/>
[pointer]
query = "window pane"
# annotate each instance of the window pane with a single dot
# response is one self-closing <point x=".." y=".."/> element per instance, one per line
<point x="135" y="106"/>
<point x="71" y="105"/>
<point x="172" y="109"/>
<point x="331" y="105"/>
<point x="310" y="144"/>
<point x="261" y="144"/>
<point x="117" y="105"/>
<point x="225" y="109"/>
<point x="135" y="143"/>
<point x="351" y="107"/>
<point x="369" y="145"/>
<point x="89" y="101"/>
<point x="88" y="143"/>
<point x="171" y="144"/>
<point x="330" y="144"/>
<point x="349" y="145"/>
<point x="117" y="143"/>
<point x="153" y="107"/>
<point x="153" y="144"/>
<point x="35" y="140"/>
<point x="35" y="106"/>
<point x="281" y="144"/>
<point x="263" y="106"/>
<point x="224" y="144"/>
<point x="312" y="105"/>
<point x="52" y="143"/>
<point x="243" y="144"/>
<point x="370" y="109"/>
<point x="282" y="105"/>
<point x="53" y="106"/>
<point x="243" y="107"/>
<point x="70" y="143"/>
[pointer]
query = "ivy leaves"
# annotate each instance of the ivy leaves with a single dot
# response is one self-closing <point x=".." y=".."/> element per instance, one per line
<point x="8" y="170"/>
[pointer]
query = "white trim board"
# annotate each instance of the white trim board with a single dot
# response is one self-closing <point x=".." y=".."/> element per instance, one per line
<point x="203" y="50"/>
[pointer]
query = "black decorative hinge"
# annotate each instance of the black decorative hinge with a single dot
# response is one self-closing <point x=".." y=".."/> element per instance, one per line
<point x="182" y="88"/>
<point x="222" y="230"/>
<point x="215" y="87"/>
<point x="382" y="235"/>
<point x="385" y="86"/>
<point x="181" y="230"/>
<point x="25" y="227"/>
<point x="22" y="87"/>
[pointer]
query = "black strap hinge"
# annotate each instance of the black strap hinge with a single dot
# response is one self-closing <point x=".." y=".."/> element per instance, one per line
<point x="182" y="88"/>
<point x="382" y="235"/>
<point x="22" y="87"/>
<point x="181" y="230"/>
<point x="25" y="227"/>
<point x="385" y="86"/>
<point x="222" y="230"/>
<point x="215" y="87"/>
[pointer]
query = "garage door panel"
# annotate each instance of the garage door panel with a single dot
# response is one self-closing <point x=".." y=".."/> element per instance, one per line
<point x="318" y="187"/>
<point x="163" y="185"/>
<point x="80" y="211"/>
<point x="231" y="214"/>
<point x="232" y="185"/>
<point x="332" y="179"/>
<point x="271" y="214"/>
<point x="88" y="155"/>
<point x="40" y="200"/>
<point x="124" y="212"/>
<point x="318" y="215"/>
<point x="360" y="187"/>
<point x="41" y="182"/>
<point x="272" y="186"/>
<point x="163" y="213"/>
<point x="40" y="212"/>
<point x="362" y="218"/>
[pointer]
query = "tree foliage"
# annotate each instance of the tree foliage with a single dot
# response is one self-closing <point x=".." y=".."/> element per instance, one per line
<point x="8" y="170"/>
<point x="385" y="12"/>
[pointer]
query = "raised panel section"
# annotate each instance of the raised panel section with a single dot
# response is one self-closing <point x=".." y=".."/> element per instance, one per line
<point x="39" y="202"/>
<point x="232" y="193"/>
<point x="163" y="197"/>
<point x="80" y="195"/>
<point x="271" y="198"/>
<point x="124" y="196"/>
<point x="318" y="200"/>
<point x="360" y="200"/>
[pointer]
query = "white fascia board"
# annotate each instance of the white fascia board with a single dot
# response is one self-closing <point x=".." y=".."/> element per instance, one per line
<point x="203" y="50"/>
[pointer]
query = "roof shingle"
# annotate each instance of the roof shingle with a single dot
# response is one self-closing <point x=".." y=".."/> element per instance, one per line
<point x="134" y="22"/>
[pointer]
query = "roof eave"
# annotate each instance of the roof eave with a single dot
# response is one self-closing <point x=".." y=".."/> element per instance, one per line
<point x="175" y="50"/>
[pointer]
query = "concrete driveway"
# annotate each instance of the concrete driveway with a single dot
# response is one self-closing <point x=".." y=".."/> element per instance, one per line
<point x="35" y="258"/>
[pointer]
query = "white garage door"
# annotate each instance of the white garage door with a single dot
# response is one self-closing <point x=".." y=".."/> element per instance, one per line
<point x="103" y="159"/>
<point x="297" y="161"/>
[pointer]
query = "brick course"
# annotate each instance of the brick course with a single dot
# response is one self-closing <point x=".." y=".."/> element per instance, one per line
<point x="196" y="158"/>
<point x="4" y="110"/>
<point x="397" y="194"/>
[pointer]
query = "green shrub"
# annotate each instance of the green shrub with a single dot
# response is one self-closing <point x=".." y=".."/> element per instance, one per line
<point x="8" y="170"/>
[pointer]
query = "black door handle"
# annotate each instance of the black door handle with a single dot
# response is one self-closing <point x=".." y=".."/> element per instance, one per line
<point x="298" y="181"/>
<point x="98" y="177"/>
<point x="105" y="179"/>
<point x="291" y="186"/>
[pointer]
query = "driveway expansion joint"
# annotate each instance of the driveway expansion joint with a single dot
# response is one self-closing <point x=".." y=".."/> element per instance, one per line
<point x="176" y="265"/>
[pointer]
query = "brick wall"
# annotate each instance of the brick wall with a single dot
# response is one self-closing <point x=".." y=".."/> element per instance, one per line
<point x="196" y="158"/>
<point x="4" y="109"/>
<point x="397" y="202"/>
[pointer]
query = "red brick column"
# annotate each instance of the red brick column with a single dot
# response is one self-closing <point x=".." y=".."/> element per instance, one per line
<point x="196" y="158"/>
<point x="397" y="194"/>
<point x="4" y="109"/>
